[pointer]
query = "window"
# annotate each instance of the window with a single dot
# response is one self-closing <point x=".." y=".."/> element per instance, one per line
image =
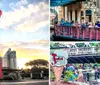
<point x="75" y="15"/>
<point x="64" y="11"/>
<point x="70" y="15"/>
<point x="82" y="13"/>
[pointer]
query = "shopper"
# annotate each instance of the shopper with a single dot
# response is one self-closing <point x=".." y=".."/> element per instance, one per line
<point x="62" y="22"/>
<point x="80" y="77"/>
<point x="97" y="24"/>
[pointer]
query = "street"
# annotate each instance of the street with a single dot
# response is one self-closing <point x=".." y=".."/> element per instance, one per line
<point x="34" y="82"/>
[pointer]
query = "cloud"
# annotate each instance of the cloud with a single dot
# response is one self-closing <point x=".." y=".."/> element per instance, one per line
<point x="30" y="26"/>
<point x="33" y="48"/>
<point x="26" y="19"/>
<point x="18" y="4"/>
<point x="32" y="44"/>
<point x="31" y="53"/>
<point x="21" y="62"/>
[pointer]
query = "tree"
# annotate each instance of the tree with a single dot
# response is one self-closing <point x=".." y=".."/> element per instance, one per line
<point x="98" y="47"/>
<point x="37" y="63"/>
<point x="79" y="44"/>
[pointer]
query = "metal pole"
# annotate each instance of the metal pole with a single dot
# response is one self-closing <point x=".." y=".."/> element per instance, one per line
<point x="79" y="60"/>
<point x="94" y="59"/>
<point x="72" y="59"/>
<point x="87" y="60"/>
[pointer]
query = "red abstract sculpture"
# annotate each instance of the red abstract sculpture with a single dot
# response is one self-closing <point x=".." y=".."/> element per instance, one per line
<point x="0" y="13"/>
<point x="0" y="67"/>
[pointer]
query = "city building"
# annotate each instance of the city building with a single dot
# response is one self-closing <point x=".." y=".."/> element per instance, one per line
<point x="9" y="59"/>
<point x="0" y="67"/>
<point x="98" y="9"/>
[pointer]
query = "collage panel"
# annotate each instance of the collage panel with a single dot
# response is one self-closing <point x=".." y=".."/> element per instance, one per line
<point x="74" y="20"/>
<point x="24" y="53"/>
<point x="31" y="47"/>
<point x="74" y="63"/>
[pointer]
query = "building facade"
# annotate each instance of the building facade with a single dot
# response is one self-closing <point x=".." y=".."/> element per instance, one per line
<point x="89" y="10"/>
<point x="0" y="67"/>
<point x="9" y="59"/>
<point x="98" y="9"/>
<point x="74" y="12"/>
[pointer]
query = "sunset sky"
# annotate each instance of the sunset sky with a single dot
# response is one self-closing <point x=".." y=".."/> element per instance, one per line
<point x="24" y="27"/>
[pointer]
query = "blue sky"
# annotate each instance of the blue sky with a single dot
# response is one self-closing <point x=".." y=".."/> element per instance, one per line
<point x="24" y="27"/>
<point x="6" y="4"/>
<point x="15" y="17"/>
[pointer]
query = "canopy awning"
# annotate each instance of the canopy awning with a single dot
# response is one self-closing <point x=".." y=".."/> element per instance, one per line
<point x="62" y="2"/>
<point x="84" y="59"/>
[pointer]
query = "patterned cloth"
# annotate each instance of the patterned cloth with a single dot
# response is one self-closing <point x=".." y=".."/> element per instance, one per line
<point x="62" y="22"/>
<point x="80" y="77"/>
<point x="59" y="57"/>
<point x="68" y="24"/>
<point x="71" y="68"/>
<point x="98" y="25"/>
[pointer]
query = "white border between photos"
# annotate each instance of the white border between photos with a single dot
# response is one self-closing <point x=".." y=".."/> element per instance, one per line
<point x="49" y="42"/>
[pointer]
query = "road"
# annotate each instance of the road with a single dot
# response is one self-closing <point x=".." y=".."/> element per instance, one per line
<point x="34" y="82"/>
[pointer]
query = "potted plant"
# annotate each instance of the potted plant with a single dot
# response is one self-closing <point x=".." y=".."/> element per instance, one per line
<point x="68" y="75"/>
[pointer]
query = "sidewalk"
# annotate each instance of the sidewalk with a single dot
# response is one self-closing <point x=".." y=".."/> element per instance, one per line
<point x="70" y="83"/>
<point x="24" y="82"/>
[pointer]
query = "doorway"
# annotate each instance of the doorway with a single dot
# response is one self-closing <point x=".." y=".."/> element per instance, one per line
<point x="90" y="18"/>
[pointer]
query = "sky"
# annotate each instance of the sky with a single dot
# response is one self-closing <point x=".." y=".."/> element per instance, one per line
<point x="24" y="27"/>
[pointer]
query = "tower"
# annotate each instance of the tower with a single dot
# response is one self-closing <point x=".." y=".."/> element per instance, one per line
<point x="0" y="67"/>
<point x="9" y="60"/>
<point x="12" y="60"/>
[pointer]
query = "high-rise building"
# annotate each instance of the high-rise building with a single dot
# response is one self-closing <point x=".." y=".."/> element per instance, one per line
<point x="9" y="59"/>
<point x="0" y="67"/>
